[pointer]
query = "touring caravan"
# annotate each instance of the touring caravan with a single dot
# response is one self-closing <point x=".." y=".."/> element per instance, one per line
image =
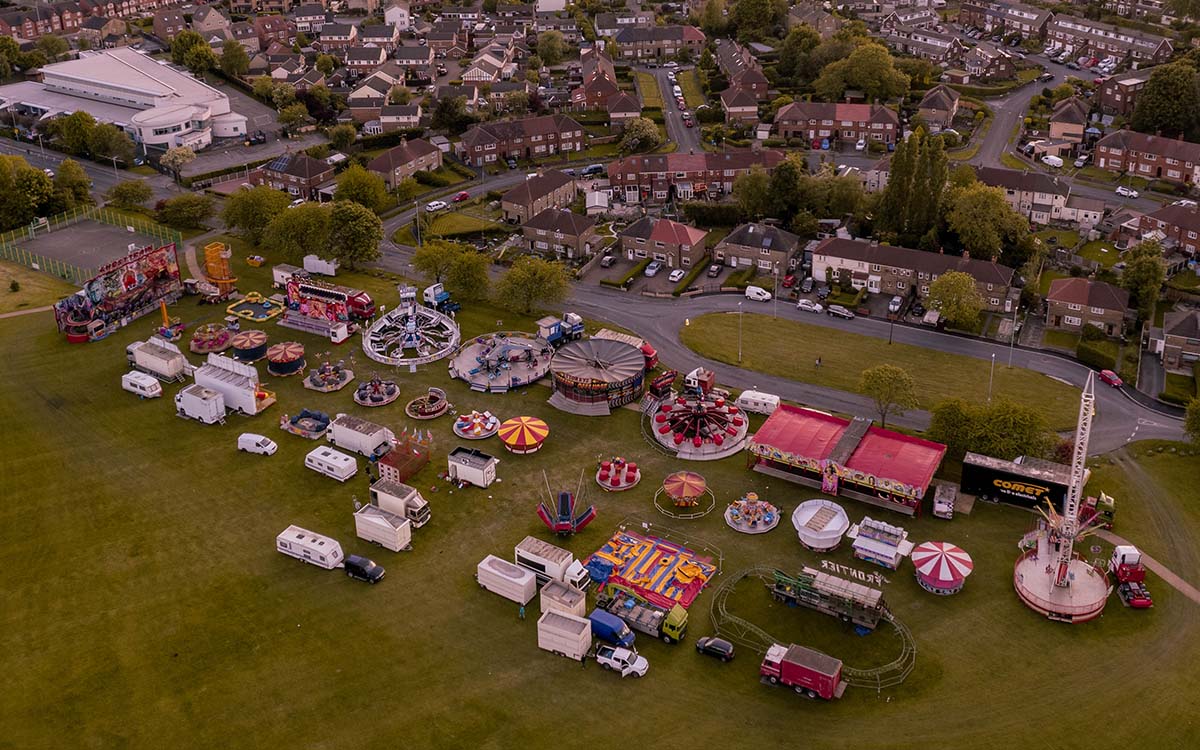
<point x="331" y="463"/>
<point x="508" y="580"/>
<point x="141" y="384"/>
<point x="758" y="402"/>
<point x="311" y="548"/>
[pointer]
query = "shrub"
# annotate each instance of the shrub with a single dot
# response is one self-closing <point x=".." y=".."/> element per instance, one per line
<point x="1095" y="355"/>
<point x="687" y="280"/>
<point x="1092" y="333"/>
<point x="14" y="286"/>
<point x="713" y="214"/>
<point x="432" y="179"/>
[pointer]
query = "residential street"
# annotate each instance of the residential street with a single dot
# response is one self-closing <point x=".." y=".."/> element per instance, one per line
<point x="103" y="177"/>
<point x="687" y="138"/>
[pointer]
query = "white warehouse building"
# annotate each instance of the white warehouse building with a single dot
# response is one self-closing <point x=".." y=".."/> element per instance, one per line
<point x="157" y="104"/>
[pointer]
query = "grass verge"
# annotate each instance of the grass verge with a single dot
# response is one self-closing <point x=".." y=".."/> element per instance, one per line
<point x="35" y="289"/>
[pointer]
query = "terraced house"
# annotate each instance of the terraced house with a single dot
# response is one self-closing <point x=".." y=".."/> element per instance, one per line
<point x="1149" y="156"/>
<point x="639" y="43"/>
<point x="1009" y="18"/>
<point x="1073" y="303"/>
<point x="1104" y="39"/>
<point x="837" y="121"/>
<point x="655" y="178"/>
<point x="561" y="232"/>
<point x="528" y="138"/>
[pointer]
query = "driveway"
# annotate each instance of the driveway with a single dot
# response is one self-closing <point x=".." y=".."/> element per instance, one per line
<point x="1152" y="378"/>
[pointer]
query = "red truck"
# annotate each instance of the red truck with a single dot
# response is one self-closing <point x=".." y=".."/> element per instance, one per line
<point x="808" y="672"/>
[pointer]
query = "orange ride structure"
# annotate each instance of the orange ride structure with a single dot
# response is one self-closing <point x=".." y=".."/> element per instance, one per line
<point x="660" y="571"/>
<point x="217" y="268"/>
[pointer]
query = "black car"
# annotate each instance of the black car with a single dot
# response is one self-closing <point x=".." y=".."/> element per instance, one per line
<point x="806" y="286"/>
<point x="714" y="270"/>
<point x="364" y="569"/>
<point x="718" y="647"/>
<point x="917" y="309"/>
<point x="823" y="291"/>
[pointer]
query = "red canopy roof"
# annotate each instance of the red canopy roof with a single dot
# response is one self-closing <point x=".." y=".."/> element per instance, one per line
<point x="803" y="432"/>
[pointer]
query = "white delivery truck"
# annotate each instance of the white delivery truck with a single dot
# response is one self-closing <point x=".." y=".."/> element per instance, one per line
<point x="508" y="580"/>
<point x="200" y="403"/>
<point x="360" y="436"/>
<point x="399" y="498"/>
<point x="282" y="272"/>
<point x="315" y="264"/>
<point x="550" y="563"/>
<point x="309" y="547"/>
<point x="141" y="384"/>
<point x="562" y="597"/>
<point x="331" y="463"/>
<point x="160" y="358"/>
<point x="383" y="527"/>
<point x="758" y="402"/>
<point x="565" y="635"/>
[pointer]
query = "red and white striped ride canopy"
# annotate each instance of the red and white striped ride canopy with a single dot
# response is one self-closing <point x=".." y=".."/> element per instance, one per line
<point x="942" y="562"/>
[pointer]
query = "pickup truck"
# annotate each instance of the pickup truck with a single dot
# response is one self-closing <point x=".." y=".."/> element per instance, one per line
<point x="622" y="660"/>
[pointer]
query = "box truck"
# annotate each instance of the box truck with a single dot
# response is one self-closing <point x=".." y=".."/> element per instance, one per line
<point x="562" y="597"/>
<point x="550" y="563"/>
<point x="402" y="500"/>
<point x="200" y="403"/>
<point x="611" y="629"/>
<point x="382" y="527"/>
<point x="309" y="547"/>
<point x="668" y="624"/>
<point x="809" y="672"/>
<point x="360" y="436"/>
<point x="508" y="580"/>
<point x="315" y="264"/>
<point x="565" y="635"/>
<point x="141" y="384"/>
<point x="160" y="358"/>
<point x="282" y="272"/>
<point x="331" y="463"/>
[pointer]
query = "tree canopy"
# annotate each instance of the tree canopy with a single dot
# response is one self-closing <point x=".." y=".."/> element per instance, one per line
<point x="892" y="389"/>
<point x="956" y="298"/>
<point x="641" y="134"/>
<point x="234" y="60"/>
<point x="249" y="211"/>
<point x="129" y="194"/>
<point x="532" y="282"/>
<point x="1001" y="429"/>
<point x="363" y="187"/>
<point x="1143" y="277"/>
<point x="186" y="211"/>
<point x="551" y="47"/>
<point x="355" y="233"/>
<point x="299" y="231"/>
<point x="1169" y="103"/>
<point x="870" y="68"/>
<point x="434" y="258"/>
<point x="28" y="192"/>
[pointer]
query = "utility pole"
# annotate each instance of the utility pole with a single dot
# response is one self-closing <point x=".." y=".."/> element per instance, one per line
<point x="115" y="173"/>
<point x="417" y="220"/>
<point x="739" y="333"/>
<point x="775" y="296"/>
<point x="1012" y="337"/>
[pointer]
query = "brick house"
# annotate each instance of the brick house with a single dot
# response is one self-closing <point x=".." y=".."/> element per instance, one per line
<point x="811" y="13"/>
<point x="1010" y="18"/>
<point x="884" y="269"/>
<point x="370" y="96"/>
<point x="742" y="69"/>
<point x="208" y="20"/>
<point x="766" y="247"/>
<point x="599" y="81"/>
<point x="639" y="43"/>
<point x="298" y="174"/>
<point x="337" y="36"/>
<point x="559" y="231"/>
<point x="1069" y="119"/>
<point x="96" y="29"/>
<point x="399" y="117"/>
<point x="384" y="35"/>
<point x="938" y="107"/>
<point x="364" y="60"/>
<point x="1181" y="340"/>
<point x="168" y="23"/>
<point x="608" y="25"/>
<point x="621" y="109"/>
<point x="677" y="245"/>
<point x="1149" y="156"/>
<point x="988" y="62"/>
<point x="274" y="29"/>
<point x="309" y="18"/>
<point x="1075" y="302"/>
<point x="1105" y="39"/>
<point x="1035" y="195"/>
<point x="527" y="138"/>
<point x="1118" y="94"/>
<point x="399" y="163"/>
<point x="552" y="189"/>
<point x="925" y="43"/>
<point x="655" y="178"/>
<point x="1179" y="224"/>
<point x="740" y="105"/>
<point x="837" y="121"/>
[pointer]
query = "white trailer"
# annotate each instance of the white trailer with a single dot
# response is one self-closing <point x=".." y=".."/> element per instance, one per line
<point x="471" y="466"/>
<point x="508" y="580"/>
<point x="562" y="597"/>
<point x="237" y="381"/>
<point x="383" y="527"/>
<point x="331" y="463"/>
<point x="315" y="264"/>
<point x="550" y="563"/>
<point x="399" y="498"/>
<point x="757" y="401"/>
<point x="141" y="384"/>
<point x="310" y="547"/>
<point x="360" y="436"/>
<point x="281" y="273"/>
<point x="565" y="635"/>
<point x="201" y="404"/>
<point x="160" y="358"/>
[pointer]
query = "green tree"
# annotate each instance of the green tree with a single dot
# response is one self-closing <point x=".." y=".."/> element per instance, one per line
<point x="175" y="159"/>
<point x="467" y="279"/>
<point x="364" y="188"/>
<point x="293" y="115"/>
<point x="355" y="233"/>
<point x="199" y="60"/>
<point x="183" y="43"/>
<point x="249" y="211"/>
<point x="1000" y="429"/>
<point x="641" y="134"/>
<point x="796" y="47"/>
<point x="712" y="18"/>
<point x="891" y="388"/>
<point x="343" y="136"/>
<point x="785" y="191"/>
<point x="955" y="297"/>
<point x="326" y="63"/>
<point x="186" y="211"/>
<point x="870" y="68"/>
<point x="52" y="46"/>
<point x="551" y="47"/>
<point x="928" y="186"/>
<point x="263" y="87"/>
<point x="1191" y="420"/>
<point x="73" y="184"/>
<point x="982" y="219"/>
<point x="299" y="231"/>
<point x="517" y="102"/>
<point x="28" y="192"/>
<point x="1143" y="277"/>
<point x="107" y="141"/>
<point x="754" y="19"/>
<point x="234" y="60"/>
<point x="31" y="60"/>
<point x="1169" y="102"/>
<point x="74" y="131"/>
<point x="919" y="70"/>
<point x="434" y="259"/>
<point x="450" y="113"/>
<point x="283" y="95"/>
<point x="533" y="282"/>
<point x="129" y="194"/>
<point x="752" y="191"/>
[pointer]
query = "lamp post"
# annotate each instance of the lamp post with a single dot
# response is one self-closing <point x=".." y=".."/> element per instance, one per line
<point x="1012" y="336"/>
<point x="991" y="374"/>
<point x="115" y="173"/>
<point x="775" y="295"/>
<point x="739" y="333"/>
<point x="417" y="221"/>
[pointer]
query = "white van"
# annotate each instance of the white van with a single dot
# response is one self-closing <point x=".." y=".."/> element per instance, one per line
<point x="145" y="386"/>
<point x="758" y="294"/>
<point x="758" y="402"/>
<point x="331" y="463"/>
<point x="252" y="443"/>
<point x="1051" y="160"/>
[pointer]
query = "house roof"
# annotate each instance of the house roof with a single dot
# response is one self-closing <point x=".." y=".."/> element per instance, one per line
<point x="537" y="187"/>
<point x="1151" y="144"/>
<point x="299" y="165"/>
<point x="984" y="271"/>
<point x="804" y="111"/>
<point x="635" y="34"/>
<point x="1080" y="291"/>
<point x="1072" y="110"/>
<point x="1185" y="324"/>
<point x="691" y="162"/>
<point x="940" y="97"/>
<point x="1186" y="217"/>
<point x="398" y="156"/>
<point x="1021" y="181"/>
<point x="622" y="103"/>
<point x="400" y="110"/>
<point x="665" y="231"/>
<point x="505" y="130"/>
<point x="763" y="237"/>
<point x="561" y="220"/>
<point x="738" y="98"/>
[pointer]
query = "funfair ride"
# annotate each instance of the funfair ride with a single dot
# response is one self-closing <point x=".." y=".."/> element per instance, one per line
<point x="410" y="334"/>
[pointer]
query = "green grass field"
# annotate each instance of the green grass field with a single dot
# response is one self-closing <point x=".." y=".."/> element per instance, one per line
<point x="145" y="605"/>
<point x="453" y="224"/>
<point x="1061" y="340"/>
<point x="787" y="349"/>
<point x="689" y="83"/>
<point x="1061" y="238"/>
<point x="1103" y="252"/>
<point x="36" y="289"/>
<point x="647" y="86"/>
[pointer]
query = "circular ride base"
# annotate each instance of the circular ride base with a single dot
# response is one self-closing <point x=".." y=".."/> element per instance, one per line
<point x="501" y="361"/>
<point x="940" y="591"/>
<point x="411" y="335"/>
<point x="739" y="523"/>
<point x="328" y="383"/>
<point x="476" y="425"/>
<point x="289" y="368"/>
<point x="1083" y="600"/>
<point x="376" y="392"/>
<point x="820" y="524"/>
<point x="255" y="307"/>
<point x="210" y="337"/>
<point x="420" y="408"/>
<point x="668" y="507"/>
<point x="607" y="485"/>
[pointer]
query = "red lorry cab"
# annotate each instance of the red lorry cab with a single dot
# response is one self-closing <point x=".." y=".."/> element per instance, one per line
<point x="651" y="355"/>
<point x="805" y="670"/>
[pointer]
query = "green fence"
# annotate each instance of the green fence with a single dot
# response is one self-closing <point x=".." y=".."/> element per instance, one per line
<point x="71" y="273"/>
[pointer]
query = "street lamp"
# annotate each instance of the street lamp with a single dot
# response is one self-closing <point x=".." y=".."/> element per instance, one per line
<point x="1012" y="335"/>
<point x="115" y="173"/>
<point x="739" y="333"/>
<point x="775" y="295"/>
<point x="991" y="374"/>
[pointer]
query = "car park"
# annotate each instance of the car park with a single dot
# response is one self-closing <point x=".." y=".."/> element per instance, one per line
<point x="653" y="269"/>
<point x="807" y="305"/>
<point x="364" y="569"/>
<point x="1111" y="378"/>
<point x="252" y="443"/>
<point x="435" y="206"/>
<point x="714" y="270"/>
<point x="713" y="646"/>
<point x="676" y="275"/>
<point x="1126" y="192"/>
<point x="839" y="311"/>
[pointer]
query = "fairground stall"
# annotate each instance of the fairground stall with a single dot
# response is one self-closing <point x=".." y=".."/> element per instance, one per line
<point x="120" y="293"/>
<point x="593" y="376"/>
<point x="846" y="457"/>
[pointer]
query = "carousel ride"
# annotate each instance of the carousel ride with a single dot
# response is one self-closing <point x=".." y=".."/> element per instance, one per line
<point x="249" y="346"/>
<point x="411" y="334"/>
<point x="700" y="423"/>
<point x="751" y="515"/>
<point x="941" y="568"/>
<point x="285" y="358"/>
<point x="430" y="406"/>
<point x="617" y="474"/>
<point x="523" y="434"/>
<point x="476" y="425"/>
<point x="307" y="424"/>
<point x="210" y="337"/>
<point x="329" y="377"/>
<point x="376" y="392"/>
<point x="501" y="361"/>
<point x="685" y="494"/>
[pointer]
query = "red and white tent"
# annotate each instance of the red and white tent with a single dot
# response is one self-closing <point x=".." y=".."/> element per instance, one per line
<point x="941" y="564"/>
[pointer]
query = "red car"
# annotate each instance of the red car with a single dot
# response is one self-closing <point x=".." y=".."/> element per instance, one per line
<point x="1110" y="377"/>
<point x="687" y="123"/>
<point x="461" y="196"/>
<point x="789" y="281"/>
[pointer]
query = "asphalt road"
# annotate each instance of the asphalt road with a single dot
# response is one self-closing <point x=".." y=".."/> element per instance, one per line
<point x="687" y="138"/>
<point x="103" y="178"/>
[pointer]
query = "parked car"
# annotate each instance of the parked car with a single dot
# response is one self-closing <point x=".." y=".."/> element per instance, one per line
<point x="757" y="294"/>
<point x="895" y="304"/>
<point x="676" y="275"/>
<point x="806" y="286"/>
<point x="607" y="261"/>
<point x="1072" y="65"/>
<point x="718" y="647"/>
<point x="252" y="443"/>
<point x="823" y="291"/>
<point x="1126" y="192"/>
<point x="1046" y="77"/>
<point x="1110" y="377"/>
<point x="654" y="267"/>
<point x="807" y="305"/>
<point x="512" y="163"/>
<point x="714" y="270"/>
<point x="296" y="203"/>
<point x="861" y="145"/>
<point x="789" y="281"/>
<point x="435" y="206"/>
<point x="364" y="569"/>
<point x="622" y="660"/>
<point x="917" y="309"/>
<point x="838" y="311"/>
<point x="1082" y="161"/>
<point x="461" y="196"/>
